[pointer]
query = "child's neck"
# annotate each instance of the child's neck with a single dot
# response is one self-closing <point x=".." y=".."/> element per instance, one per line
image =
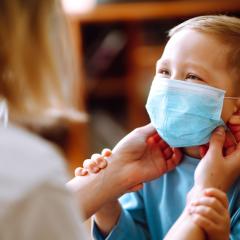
<point x="192" y="151"/>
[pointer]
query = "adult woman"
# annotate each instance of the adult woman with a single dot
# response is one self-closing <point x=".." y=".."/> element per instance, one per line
<point x="34" y="200"/>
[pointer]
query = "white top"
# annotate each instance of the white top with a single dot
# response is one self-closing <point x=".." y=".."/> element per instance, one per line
<point x="34" y="202"/>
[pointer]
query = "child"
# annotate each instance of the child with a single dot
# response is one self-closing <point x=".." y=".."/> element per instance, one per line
<point x="203" y="50"/>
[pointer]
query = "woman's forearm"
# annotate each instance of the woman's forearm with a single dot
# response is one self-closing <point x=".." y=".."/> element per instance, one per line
<point x="95" y="190"/>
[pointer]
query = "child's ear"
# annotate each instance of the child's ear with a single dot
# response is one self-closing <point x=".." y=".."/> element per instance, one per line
<point x="235" y="118"/>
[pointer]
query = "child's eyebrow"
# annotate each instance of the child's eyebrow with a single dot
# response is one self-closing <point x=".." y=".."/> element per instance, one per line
<point x="166" y="63"/>
<point x="197" y="66"/>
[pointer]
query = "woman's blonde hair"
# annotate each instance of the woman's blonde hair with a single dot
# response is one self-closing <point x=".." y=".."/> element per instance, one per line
<point x="225" y="28"/>
<point x="36" y="68"/>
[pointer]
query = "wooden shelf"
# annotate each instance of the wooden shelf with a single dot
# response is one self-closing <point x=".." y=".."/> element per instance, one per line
<point x="153" y="10"/>
<point x="108" y="87"/>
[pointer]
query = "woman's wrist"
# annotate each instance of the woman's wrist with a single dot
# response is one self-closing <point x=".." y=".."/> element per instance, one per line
<point x="107" y="217"/>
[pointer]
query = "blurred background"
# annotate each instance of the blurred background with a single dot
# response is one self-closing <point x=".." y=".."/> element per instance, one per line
<point x="116" y="44"/>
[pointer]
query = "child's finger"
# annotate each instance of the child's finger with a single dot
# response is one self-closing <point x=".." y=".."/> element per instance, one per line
<point x="80" y="171"/>
<point x="204" y="223"/>
<point x="106" y="152"/>
<point x="91" y="166"/>
<point x="95" y="156"/>
<point x="101" y="162"/>
<point x="206" y="212"/>
<point x="217" y="193"/>
<point x="211" y="202"/>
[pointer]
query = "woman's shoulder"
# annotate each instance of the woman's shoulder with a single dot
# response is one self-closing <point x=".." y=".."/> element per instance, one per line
<point x="27" y="161"/>
<point x="20" y="143"/>
<point x="25" y="141"/>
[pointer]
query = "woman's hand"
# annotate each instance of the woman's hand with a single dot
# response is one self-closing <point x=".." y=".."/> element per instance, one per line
<point x="141" y="156"/>
<point x="232" y="137"/>
<point x="215" y="169"/>
<point x="145" y="155"/>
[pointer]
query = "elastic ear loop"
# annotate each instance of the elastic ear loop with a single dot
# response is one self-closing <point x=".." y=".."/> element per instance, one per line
<point x="234" y="98"/>
<point x="4" y="113"/>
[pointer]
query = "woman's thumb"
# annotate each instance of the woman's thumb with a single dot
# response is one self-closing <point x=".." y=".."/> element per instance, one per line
<point x="217" y="140"/>
<point x="147" y="130"/>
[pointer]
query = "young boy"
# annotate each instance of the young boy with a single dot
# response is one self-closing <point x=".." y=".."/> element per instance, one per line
<point x="203" y="50"/>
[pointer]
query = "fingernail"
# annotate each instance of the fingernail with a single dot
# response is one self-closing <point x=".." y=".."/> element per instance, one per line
<point x="220" y="130"/>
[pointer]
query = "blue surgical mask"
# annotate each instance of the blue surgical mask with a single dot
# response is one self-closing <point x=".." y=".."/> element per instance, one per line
<point x="184" y="113"/>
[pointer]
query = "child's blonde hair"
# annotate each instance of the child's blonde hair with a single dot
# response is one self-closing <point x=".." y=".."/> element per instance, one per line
<point x="225" y="28"/>
<point x="35" y="67"/>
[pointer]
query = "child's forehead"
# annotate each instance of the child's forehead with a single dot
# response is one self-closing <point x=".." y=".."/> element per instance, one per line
<point x="188" y="37"/>
<point x="196" y="48"/>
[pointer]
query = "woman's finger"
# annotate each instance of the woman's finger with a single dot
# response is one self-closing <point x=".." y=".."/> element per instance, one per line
<point x="167" y="152"/>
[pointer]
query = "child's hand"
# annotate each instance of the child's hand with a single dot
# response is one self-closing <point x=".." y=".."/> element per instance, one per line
<point x="210" y="212"/>
<point x="95" y="164"/>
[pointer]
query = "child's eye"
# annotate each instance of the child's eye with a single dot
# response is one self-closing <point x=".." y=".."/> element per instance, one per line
<point x="193" y="77"/>
<point x="164" y="72"/>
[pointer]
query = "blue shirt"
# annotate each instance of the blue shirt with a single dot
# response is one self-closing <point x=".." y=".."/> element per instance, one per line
<point x="150" y="212"/>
